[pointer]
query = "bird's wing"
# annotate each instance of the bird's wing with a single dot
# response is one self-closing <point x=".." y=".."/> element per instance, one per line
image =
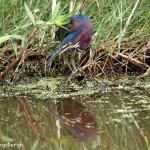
<point x="68" y="40"/>
<point x="71" y="38"/>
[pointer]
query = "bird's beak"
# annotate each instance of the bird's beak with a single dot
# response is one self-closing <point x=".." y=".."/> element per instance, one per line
<point x="61" y="50"/>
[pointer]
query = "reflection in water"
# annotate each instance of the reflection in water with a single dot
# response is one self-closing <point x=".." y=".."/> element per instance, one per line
<point x="122" y="118"/>
<point x="76" y="119"/>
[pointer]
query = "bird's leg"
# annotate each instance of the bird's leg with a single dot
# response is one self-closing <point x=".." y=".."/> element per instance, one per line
<point x="72" y="60"/>
<point x="66" y="61"/>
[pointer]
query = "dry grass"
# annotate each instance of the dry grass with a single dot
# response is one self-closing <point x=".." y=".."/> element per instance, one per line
<point x="120" y="43"/>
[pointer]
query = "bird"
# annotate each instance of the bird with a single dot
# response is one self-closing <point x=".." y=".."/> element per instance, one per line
<point x="75" y="118"/>
<point x="80" y="36"/>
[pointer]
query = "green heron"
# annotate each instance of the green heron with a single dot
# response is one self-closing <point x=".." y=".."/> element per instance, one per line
<point x="81" y="32"/>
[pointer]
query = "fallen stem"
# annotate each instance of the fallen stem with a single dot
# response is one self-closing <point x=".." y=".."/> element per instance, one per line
<point x="132" y="60"/>
<point x="19" y="56"/>
<point x="30" y="120"/>
<point x="83" y="5"/>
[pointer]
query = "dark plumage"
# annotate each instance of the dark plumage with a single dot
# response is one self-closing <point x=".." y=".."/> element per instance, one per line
<point x="81" y="32"/>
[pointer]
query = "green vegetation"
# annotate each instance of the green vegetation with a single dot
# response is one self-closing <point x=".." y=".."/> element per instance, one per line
<point x="120" y="43"/>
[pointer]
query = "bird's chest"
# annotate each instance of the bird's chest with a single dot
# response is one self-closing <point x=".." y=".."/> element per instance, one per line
<point x="84" y="41"/>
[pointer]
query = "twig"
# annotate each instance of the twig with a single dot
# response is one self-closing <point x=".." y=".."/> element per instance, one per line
<point x="83" y="5"/>
<point x="8" y="68"/>
<point x="132" y="60"/>
<point x="9" y="49"/>
<point x="1" y="59"/>
<point x="136" y="123"/>
<point x="127" y="23"/>
<point x="30" y="120"/>
<point x="147" y="73"/>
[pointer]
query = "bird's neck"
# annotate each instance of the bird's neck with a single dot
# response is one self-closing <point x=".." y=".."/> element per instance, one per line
<point x="84" y="39"/>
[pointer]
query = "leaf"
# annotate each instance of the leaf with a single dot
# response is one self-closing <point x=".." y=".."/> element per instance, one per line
<point x="55" y="12"/>
<point x="35" y="144"/>
<point x="58" y="23"/>
<point x="4" y="38"/>
<point x="29" y="13"/>
<point x="39" y="22"/>
<point x="14" y="44"/>
<point x="53" y="5"/>
<point x="36" y="10"/>
<point x="4" y="137"/>
<point x="17" y="37"/>
<point x="61" y="20"/>
<point x="63" y="17"/>
<point x="23" y="43"/>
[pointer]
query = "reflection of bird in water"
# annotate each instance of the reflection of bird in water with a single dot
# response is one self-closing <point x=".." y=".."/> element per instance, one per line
<point x="81" y="32"/>
<point x="76" y="119"/>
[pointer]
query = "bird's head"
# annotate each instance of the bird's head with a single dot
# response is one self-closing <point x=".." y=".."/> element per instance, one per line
<point x="81" y="21"/>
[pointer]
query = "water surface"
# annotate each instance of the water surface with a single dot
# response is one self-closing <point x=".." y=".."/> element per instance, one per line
<point x="100" y="115"/>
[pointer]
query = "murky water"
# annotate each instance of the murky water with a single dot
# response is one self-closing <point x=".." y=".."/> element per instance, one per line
<point x="114" y="117"/>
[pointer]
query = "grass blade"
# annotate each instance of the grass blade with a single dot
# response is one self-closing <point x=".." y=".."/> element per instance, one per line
<point x="14" y="44"/>
<point x="29" y="13"/>
<point x="4" y="38"/>
<point x="55" y="12"/>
